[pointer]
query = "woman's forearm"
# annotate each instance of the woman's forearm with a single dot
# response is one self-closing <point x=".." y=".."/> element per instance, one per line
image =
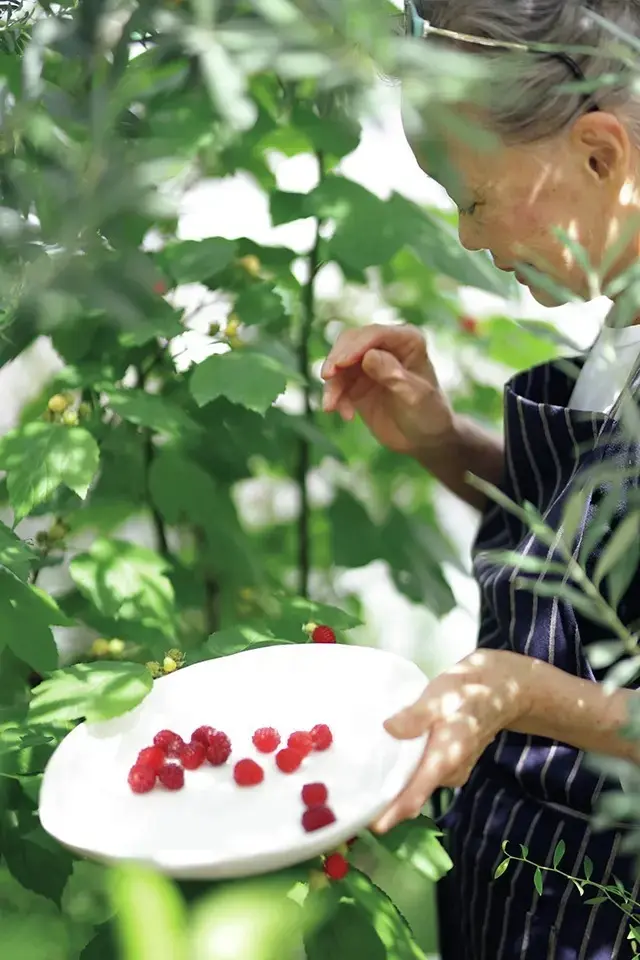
<point x="469" y="449"/>
<point x="578" y="712"/>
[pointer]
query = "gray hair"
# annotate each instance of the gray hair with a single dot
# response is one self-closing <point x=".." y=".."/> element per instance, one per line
<point x="532" y="105"/>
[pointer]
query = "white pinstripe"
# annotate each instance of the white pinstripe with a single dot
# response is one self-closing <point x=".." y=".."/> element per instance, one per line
<point x="483" y="938"/>
<point x="594" y="909"/>
<point x="536" y="896"/>
<point x="516" y="873"/>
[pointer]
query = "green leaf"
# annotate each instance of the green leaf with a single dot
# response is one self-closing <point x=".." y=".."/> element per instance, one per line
<point x="604" y="653"/>
<point x="287" y="207"/>
<point x="537" y="880"/>
<point x="94" y="691"/>
<point x="501" y="868"/>
<point x="623" y="544"/>
<point x="231" y="640"/>
<point x="417" y="842"/>
<point x="137" y="892"/>
<point x="578" y="887"/>
<point x="558" y="853"/>
<point x="152" y="411"/>
<point x="524" y="850"/>
<point x="36" y="867"/>
<point x="39" y="457"/>
<point x="588" y="867"/>
<point x="624" y="672"/>
<point x="574" y="597"/>
<point x="25" y="619"/>
<point x="348" y="933"/>
<point x="523" y="561"/>
<point x="15" y="553"/>
<point x="510" y="344"/>
<point x="390" y="925"/>
<point x="242" y="376"/>
<point x="302" y="611"/>
<point x="196" y="261"/>
<point x="126" y="582"/>
<point x="595" y="901"/>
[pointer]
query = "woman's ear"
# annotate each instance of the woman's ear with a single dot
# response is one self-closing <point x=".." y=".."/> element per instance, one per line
<point x="604" y="146"/>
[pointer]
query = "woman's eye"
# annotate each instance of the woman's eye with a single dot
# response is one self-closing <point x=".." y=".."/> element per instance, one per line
<point x="468" y="211"/>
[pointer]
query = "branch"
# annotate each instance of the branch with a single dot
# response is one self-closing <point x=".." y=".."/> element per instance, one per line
<point x="304" y="454"/>
<point x="148" y="455"/>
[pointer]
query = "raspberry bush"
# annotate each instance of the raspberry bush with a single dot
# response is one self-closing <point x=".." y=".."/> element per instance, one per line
<point x="125" y="550"/>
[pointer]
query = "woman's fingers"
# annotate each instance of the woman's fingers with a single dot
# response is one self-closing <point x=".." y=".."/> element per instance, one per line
<point x="406" y="343"/>
<point x="446" y="762"/>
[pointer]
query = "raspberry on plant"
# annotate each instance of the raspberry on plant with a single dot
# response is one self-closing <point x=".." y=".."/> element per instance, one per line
<point x="248" y="773"/>
<point x="193" y="755"/>
<point x="152" y="757"/>
<point x="301" y="741"/>
<point x="323" y="634"/>
<point x="203" y="735"/>
<point x="58" y="403"/>
<point x="266" y="739"/>
<point x="171" y="776"/>
<point x="141" y="778"/>
<point x="314" y="794"/>
<point x="321" y="736"/>
<point x="288" y="760"/>
<point x="336" y="867"/>
<point x="315" y="818"/>
<point x="170" y="742"/>
<point x="218" y="748"/>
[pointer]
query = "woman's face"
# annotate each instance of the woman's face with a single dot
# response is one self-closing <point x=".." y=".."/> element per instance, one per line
<point x="583" y="181"/>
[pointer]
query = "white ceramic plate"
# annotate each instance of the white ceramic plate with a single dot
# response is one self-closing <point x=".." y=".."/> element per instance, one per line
<point x="212" y="828"/>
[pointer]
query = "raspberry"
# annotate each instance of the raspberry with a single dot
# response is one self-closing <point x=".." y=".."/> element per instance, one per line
<point x="301" y="741"/>
<point x="193" y="755"/>
<point x="248" y="773"/>
<point x="314" y="794"/>
<point x="288" y="760"/>
<point x="171" y="776"/>
<point x="169" y="741"/>
<point x="315" y="818"/>
<point x="323" y="635"/>
<point x="203" y="735"/>
<point x="336" y="867"/>
<point x="266" y="739"/>
<point x="321" y="736"/>
<point x="141" y="779"/>
<point x="151" y="757"/>
<point x="218" y="749"/>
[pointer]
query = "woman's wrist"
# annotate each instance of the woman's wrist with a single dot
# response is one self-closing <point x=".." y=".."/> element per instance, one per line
<point x="568" y="709"/>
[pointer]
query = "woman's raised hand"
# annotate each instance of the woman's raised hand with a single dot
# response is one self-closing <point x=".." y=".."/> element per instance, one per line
<point x="384" y="374"/>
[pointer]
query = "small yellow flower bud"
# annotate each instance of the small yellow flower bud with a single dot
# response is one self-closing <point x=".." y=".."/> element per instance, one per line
<point x="169" y="665"/>
<point x="58" y="532"/>
<point x="100" y="647"/>
<point x="116" y="647"/>
<point x="251" y="264"/>
<point x="70" y="418"/>
<point x="154" y="668"/>
<point x="58" y="403"/>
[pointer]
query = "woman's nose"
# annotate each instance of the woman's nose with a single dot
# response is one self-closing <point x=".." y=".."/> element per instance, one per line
<point x="469" y="234"/>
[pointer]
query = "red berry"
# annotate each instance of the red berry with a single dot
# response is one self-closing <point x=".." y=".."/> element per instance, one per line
<point x="336" y="867"/>
<point x="315" y="818"/>
<point x="141" y="779"/>
<point x="469" y="325"/>
<point x="323" y="635"/>
<point x="219" y="748"/>
<point x="171" y="776"/>
<point x="202" y="735"/>
<point x="314" y="794"/>
<point x="160" y="287"/>
<point x="248" y="773"/>
<point x="321" y="736"/>
<point x="170" y="742"/>
<point x="266" y="739"/>
<point x="193" y="755"/>
<point x="301" y="741"/>
<point x="151" y="757"/>
<point x="288" y="760"/>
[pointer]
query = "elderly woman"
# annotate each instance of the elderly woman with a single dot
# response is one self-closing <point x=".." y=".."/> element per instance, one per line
<point x="510" y="725"/>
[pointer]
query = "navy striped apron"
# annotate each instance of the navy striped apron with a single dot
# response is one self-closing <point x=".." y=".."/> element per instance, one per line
<point x="525" y="789"/>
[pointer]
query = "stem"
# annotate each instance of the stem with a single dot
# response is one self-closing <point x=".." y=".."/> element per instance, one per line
<point x="149" y="453"/>
<point x="581" y="880"/>
<point x="304" y="452"/>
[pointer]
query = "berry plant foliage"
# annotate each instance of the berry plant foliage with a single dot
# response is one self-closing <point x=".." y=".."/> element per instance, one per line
<point x="154" y="367"/>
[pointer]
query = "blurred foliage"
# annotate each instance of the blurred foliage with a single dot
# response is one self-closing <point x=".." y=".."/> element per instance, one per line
<point x="111" y="113"/>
